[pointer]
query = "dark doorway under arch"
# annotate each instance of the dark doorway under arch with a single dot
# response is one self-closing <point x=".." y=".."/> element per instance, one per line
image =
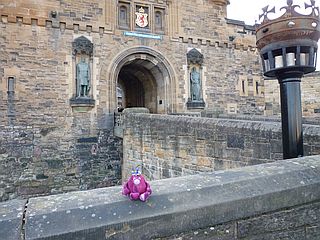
<point x="138" y="86"/>
<point x="141" y="76"/>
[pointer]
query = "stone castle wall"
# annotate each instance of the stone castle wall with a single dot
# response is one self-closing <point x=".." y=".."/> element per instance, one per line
<point x="34" y="162"/>
<point x="37" y="51"/>
<point x="46" y="141"/>
<point x="171" y="146"/>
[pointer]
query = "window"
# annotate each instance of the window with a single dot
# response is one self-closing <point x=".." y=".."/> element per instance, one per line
<point x="10" y="84"/>
<point x="124" y="16"/>
<point x="159" y="20"/>
<point x="257" y="86"/>
<point x="243" y="87"/>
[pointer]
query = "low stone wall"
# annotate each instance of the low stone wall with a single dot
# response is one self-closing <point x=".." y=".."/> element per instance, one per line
<point x="278" y="200"/>
<point x="34" y="162"/>
<point x="169" y="146"/>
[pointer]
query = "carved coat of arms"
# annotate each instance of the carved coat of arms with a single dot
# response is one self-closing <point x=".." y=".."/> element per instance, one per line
<point x="142" y="18"/>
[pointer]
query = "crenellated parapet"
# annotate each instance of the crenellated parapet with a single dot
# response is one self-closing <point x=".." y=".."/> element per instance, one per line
<point x="46" y="22"/>
<point x="82" y="27"/>
<point x="218" y="43"/>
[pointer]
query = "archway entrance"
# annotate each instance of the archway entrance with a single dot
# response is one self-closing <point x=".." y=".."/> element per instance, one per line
<point x="138" y="86"/>
<point x="142" y="77"/>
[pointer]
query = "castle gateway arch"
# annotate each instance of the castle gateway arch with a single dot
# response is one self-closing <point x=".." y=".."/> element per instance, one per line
<point x="142" y="77"/>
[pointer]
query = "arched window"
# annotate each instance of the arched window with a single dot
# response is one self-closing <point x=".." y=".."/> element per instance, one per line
<point x="123" y="16"/>
<point x="158" y="20"/>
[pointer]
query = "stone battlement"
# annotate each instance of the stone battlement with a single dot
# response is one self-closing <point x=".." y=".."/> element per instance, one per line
<point x="44" y="22"/>
<point x="85" y="27"/>
<point x="264" y="201"/>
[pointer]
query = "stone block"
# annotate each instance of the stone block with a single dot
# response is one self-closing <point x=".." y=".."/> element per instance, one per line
<point x="313" y="231"/>
<point x="235" y="141"/>
<point x="11" y="214"/>
<point x="54" y="163"/>
<point x="33" y="190"/>
<point x="276" y="146"/>
<point x="218" y="232"/>
<point x="88" y="140"/>
<point x="297" y="234"/>
<point x="262" y="151"/>
<point x="282" y="221"/>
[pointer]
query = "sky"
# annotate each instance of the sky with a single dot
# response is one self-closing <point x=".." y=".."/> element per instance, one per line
<point x="249" y="10"/>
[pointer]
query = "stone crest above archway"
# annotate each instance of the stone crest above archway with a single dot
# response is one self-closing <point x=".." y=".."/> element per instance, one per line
<point x="146" y="78"/>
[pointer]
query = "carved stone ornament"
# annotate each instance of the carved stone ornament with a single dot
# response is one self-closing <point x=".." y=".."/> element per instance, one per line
<point x="142" y="18"/>
<point x="82" y="45"/>
<point x="194" y="57"/>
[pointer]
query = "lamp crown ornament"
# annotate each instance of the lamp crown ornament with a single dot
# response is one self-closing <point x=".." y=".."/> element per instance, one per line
<point x="290" y="11"/>
<point x="266" y="12"/>
<point x="291" y="29"/>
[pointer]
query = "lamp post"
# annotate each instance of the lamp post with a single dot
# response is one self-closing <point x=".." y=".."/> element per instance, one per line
<point x="288" y="49"/>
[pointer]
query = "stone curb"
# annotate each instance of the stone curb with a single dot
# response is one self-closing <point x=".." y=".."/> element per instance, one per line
<point x="177" y="205"/>
<point x="11" y="216"/>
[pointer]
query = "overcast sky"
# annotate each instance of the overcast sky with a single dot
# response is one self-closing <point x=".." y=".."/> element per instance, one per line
<point x="249" y="11"/>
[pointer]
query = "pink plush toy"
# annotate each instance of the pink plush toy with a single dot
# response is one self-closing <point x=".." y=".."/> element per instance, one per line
<point x="137" y="187"/>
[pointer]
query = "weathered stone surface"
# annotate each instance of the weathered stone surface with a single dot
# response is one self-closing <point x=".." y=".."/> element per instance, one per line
<point x="309" y="97"/>
<point x="170" y="146"/>
<point x="11" y="215"/>
<point x="136" y="110"/>
<point x="281" y="222"/>
<point x="182" y="206"/>
<point x="313" y="231"/>
<point x="217" y="232"/>
<point x="29" y="168"/>
<point x="296" y="234"/>
<point x="235" y="141"/>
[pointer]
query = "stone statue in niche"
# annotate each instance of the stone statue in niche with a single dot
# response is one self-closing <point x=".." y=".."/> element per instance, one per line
<point x="195" y="61"/>
<point x="83" y="78"/>
<point x="195" y="84"/>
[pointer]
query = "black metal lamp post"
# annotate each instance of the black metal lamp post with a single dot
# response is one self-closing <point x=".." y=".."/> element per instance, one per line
<point x="288" y="49"/>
